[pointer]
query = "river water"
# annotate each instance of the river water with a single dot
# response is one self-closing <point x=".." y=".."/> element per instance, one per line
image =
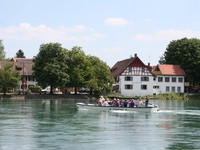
<point x="58" y="125"/>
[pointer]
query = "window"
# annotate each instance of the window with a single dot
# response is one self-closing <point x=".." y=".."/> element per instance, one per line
<point x="156" y="87"/>
<point x="179" y="89"/>
<point x="144" y="78"/>
<point x="180" y="79"/>
<point x="154" y="79"/>
<point x="128" y="86"/>
<point x="143" y="69"/>
<point x="160" y="79"/>
<point x="173" y="88"/>
<point x="167" y="88"/>
<point x="143" y="87"/>
<point x="166" y="79"/>
<point x="173" y="79"/>
<point x="129" y="69"/>
<point x="128" y="78"/>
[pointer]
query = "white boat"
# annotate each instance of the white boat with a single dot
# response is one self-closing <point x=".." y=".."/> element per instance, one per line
<point x="150" y="108"/>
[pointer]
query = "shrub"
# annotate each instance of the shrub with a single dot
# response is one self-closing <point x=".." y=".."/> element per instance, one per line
<point x="35" y="89"/>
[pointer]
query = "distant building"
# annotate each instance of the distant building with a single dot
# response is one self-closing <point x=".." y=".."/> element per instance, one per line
<point x="134" y="78"/>
<point x="169" y="79"/>
<point x="24" y="66"/>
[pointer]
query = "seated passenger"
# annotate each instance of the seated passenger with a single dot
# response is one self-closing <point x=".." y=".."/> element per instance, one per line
<point x="101" y="100"/>
<point x="131" y="104"/>
<point x="105" y="103"/>
<point x="125" y="103"/>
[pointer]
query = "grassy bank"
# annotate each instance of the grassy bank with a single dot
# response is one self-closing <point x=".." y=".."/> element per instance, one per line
<point x="165" y="96"/>
<point x="171" y="96"/>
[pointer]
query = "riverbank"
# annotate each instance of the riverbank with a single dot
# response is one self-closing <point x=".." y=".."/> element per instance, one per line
<point x="47" y="96"/>
<point x="166" y="96"/>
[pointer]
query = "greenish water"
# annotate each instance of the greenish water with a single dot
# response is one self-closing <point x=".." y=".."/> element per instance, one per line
<point x="58" y="125"/>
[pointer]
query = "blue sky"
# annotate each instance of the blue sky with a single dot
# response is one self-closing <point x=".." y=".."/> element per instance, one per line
<point x="112" y="30"/>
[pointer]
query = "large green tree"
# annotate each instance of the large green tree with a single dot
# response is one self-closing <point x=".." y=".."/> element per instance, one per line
<point x="20" y="54"/>
<point x="2" y="52"/>
<point x="9" y="78"/>
<point x="50" y="66"/>
<point x="186" y="53"/>
<point x="98" y="78"/>
<point x="77" y="64"/>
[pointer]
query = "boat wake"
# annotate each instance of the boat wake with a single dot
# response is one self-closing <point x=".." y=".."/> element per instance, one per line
<point x="121" y="111"/>
<point x="180" y="112"/>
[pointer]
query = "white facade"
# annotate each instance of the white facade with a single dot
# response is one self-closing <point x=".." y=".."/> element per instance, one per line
<point x="136" y="87"/>
<point x="136" y="81"/>
<point x="168" y="84"/>
<point x="142" y="85"/>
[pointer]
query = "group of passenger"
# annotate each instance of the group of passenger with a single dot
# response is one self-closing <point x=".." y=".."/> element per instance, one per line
<point x="123" y="102"/>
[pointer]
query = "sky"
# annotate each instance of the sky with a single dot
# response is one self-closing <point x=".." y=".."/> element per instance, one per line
<point x="112" y="30"/>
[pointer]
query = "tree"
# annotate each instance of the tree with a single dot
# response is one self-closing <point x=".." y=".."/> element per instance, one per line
<point x="2" y="52"/>
<point x="77" y="64"/>
<point x="50" y="66"/>
<point x="9" y="78"/>
<point x="186" y="53"/>
<point x="99" y="78"/>
<point x="20" y="54"/>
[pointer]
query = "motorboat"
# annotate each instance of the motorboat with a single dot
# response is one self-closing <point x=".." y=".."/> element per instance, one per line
<point x="149" y="108"/>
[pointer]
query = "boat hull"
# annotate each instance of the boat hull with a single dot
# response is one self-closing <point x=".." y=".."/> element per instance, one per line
<point x="152" y="108"/>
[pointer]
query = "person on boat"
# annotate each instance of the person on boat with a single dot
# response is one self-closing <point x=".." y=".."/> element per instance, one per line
<point x="101" y="101"/>
<point x="140" y="103"/>
<point x="125" y="103"/>
<point x="118" y="103"/>
<point x="105" y="103"/>
<point x="114" y="102"/>
<point x="146" y="101"/>
<point x="131" y="104"/>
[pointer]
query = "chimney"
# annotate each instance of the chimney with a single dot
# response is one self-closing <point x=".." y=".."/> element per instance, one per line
<point x="148" y="64"/>
<point x="135" y="55"/>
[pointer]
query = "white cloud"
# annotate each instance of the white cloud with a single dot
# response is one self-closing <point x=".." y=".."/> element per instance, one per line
<point x="116" y="22"/>
<point x="167" y="35"/>
<point x="26" y="31"/>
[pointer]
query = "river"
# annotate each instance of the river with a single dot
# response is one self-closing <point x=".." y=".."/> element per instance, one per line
<point x="58" y="125"/>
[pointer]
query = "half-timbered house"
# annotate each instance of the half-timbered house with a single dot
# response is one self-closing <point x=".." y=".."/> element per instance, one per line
<point x="134" y="78"/>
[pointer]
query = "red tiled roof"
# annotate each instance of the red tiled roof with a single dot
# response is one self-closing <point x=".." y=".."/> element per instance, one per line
<point x="120" y="66"/>
<point x="22" y="60"/>
<point x="165" y="69"/>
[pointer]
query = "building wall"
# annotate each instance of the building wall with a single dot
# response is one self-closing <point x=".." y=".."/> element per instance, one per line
<point x="153" y="85"/>
<point x="173" y="87"/>
<point x="137" y="86"/>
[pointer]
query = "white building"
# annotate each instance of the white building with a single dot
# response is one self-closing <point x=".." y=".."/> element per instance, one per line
<point x="134" y="78"/>
<point x="169" y="79"/>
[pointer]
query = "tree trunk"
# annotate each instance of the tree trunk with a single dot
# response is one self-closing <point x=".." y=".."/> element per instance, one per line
<point x="51" y="89"/>
<point x="4" y="91"/>
<point x="75" y="90"/>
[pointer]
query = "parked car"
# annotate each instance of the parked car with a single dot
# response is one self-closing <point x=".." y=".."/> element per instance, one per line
<point x="46" y="90"/>
<point x="84" y="90"/>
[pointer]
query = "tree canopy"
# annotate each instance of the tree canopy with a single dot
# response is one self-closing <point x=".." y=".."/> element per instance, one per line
<point x="186" y="53"/>
<point x="9" y="78"/>
<point x="20" y="54"/>
<point x="59" y="67"/>
<point x="77" y="64"/>
<point x="99" y="77"/>
<point x="2" y="52"/>
<point x="50" y="66"/>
